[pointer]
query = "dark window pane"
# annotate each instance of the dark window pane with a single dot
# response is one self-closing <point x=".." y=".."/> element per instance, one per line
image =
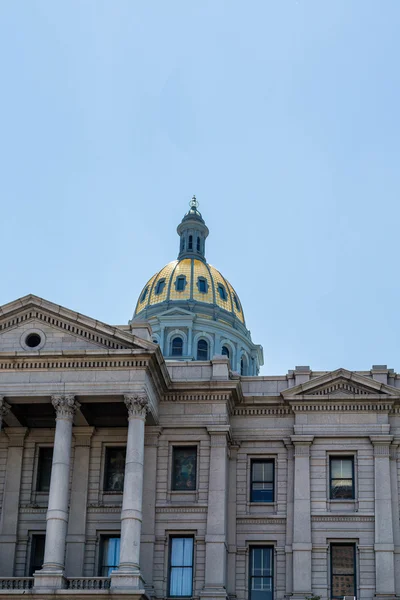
<point x="190" y="244"/>
<point x="343" y="570"/>
<point x="184" y="468"/>
<point x="225" y="351"/>
<point x="143" y="297"/>
<point x="202" y="285"/>
<point x="177" y="346"/>
<point x="44" y="469"/>
<point x="109" y="552"/>
<point x="262" y="481"/>
<point x="114" y="469"/>
<point x="180" y="284"/>
<point x="342" y="481"/>
<point x="236" y="303"/>
<point x="37" y="553"/>
<point x="261" y="573"/>
<point x="181" y="567"/>
<point x="202" y="350"/>
<point x="222" y="291"/>
<point x="160" y="286"/>
<point x="198" y="244"/>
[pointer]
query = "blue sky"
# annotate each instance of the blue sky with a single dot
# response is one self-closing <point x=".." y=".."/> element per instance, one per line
<point x="282" y="116"/>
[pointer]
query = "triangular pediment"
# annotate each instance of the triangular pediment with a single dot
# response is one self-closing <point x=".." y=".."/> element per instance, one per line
<point x="60" y="329"/>
<point x="340" y="384"/>
<point x="176" y="311"/>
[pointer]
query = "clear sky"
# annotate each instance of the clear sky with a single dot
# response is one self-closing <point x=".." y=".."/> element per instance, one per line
<point x="282" y="116"/>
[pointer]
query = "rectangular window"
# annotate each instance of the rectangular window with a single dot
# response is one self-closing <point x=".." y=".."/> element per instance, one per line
<point x="44" y="469"/>
<point x="109" y="554"/>
<point x="262" y="481"/>
<point x="114" y="470"/>
<point x="184" y="464"/>
<point x="37" y="553"/>
<point x="181" y="566"/>
<point x="202" y="284"/>
<point x="261" y="572"/>
<point x="180" y="284"/>
<point x="342" y="478"/>
<point x="343" y="570"/>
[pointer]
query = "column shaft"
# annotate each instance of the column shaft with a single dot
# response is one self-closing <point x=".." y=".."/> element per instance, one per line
<point x="302" y="545"/>
<point x="384" y="543"/>
<point x="394" y="457"/>
<point x="128" y="574"/>
<point x="289" y="519"/>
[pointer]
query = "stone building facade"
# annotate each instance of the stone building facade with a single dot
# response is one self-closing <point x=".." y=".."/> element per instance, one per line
<point x="127" y="471"/>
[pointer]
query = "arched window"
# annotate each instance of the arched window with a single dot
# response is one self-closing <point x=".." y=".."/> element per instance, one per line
<point x="236" y="301"/>
<point x="202" y="350"/>
<point x="177" y="346"/>
<point x="190" y="244"/>
<point x="182" y="244"/>
<point x="198" y="244"/>
<point x="225" y="351"/>
<point x="160" y="286"/>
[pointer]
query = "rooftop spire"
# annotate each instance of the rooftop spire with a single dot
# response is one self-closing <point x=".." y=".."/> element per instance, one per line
<point x="193" y="232"/>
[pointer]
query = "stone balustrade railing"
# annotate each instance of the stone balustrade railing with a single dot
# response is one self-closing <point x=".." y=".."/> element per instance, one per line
<point x="88" y="583"/>
<point x="16" y="583"/>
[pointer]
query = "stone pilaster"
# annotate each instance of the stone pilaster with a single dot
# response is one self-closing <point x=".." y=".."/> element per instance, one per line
<point x="302" y="544"/>
<point x="128" y="575"/>
<point x="216" y="532"/>
<point x="52" y="573"/>
<point x="76" y="539"/>
<point x="148" y="537"/>
<point x="4" y="409"/>
<point x="394" y="461"/>
<point x="384" y="542"/>
<point x="231" y="535"/>
<point x="289" y="518"/>
<point x="12" y="489"/>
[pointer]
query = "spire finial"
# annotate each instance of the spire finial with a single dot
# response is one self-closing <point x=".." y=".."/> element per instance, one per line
<point x="193" y="204"/>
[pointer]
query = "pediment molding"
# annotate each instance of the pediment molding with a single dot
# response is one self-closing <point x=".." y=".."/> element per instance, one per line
<point x="32" y="308"/>
<point x="341" y="385"/>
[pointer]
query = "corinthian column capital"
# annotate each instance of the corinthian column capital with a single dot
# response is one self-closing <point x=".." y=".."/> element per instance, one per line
<point x="137" y="405"/>
<point x="4" y="408"/>
<point x="65" y="405"/>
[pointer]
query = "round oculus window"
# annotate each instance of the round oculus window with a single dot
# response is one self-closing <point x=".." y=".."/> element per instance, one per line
<point x="33" y="340"/>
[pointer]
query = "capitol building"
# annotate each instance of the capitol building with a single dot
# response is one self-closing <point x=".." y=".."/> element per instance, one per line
<point x="152" y="461"/>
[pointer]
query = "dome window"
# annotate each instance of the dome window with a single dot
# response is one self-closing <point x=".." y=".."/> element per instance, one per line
<point x="143" y="296"/>
<point x="202" y="350"/>
<point x="225" y="351"/>
<point x="190" y="244"/>
<point x="202" y="285"/>
<point x="222" y="292"/>
<point x="236" y="301"/>
<point x="177" y="346"/>
<point x="198" y="244"/>
<point x="160" y="286"/>
<point x="180" y="283"/>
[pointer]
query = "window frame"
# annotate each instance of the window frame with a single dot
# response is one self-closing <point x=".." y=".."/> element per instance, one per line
<point x="38" y="470"/>
<point x="102" y="537"/>
<point x="190" y="243"/>
<point x="253" y="547"/>
<point x="350" y="457"/>
<point x="157" y="290"/>
<point x="222" y="292"/>
<point x="202" y="280"/>
<point x="184" y="446"/>
<point x="144" y="294"/>
<point x="178" y="279"/>
<point x="33" y="539"/>
<point x="107" y="449"/>
<point x="172" y="537"/>
<point x="332" y="574"/>
<point x="259" y="460"/>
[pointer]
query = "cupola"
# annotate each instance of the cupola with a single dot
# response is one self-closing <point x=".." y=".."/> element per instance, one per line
<point x="193" y="233"/>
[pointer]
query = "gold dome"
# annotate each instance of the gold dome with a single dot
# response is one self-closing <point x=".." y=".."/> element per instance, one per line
<point x="190" y="279"/>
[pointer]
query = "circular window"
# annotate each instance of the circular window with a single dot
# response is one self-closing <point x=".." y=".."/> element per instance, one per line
<point x="33" y="340"/>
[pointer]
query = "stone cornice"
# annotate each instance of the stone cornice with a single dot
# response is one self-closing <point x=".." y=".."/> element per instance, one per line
<point x="251" y="520"/>
<point x="342" y="405"/>
<point x="342" y="519"/>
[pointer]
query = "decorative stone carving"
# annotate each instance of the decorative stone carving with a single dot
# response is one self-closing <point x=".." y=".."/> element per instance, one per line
<point x="65" y="405"/>
<point x="4" y="409"/>
<point x="137" y="405"/>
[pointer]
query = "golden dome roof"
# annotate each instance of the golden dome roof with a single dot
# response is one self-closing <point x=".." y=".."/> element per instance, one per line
<point x="190" y="279"/>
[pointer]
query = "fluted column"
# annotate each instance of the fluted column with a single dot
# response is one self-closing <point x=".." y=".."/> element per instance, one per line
<point x="384" y="542"/>
<point x="4" y="409"/>
<point x="52" y="573"/>
<point x="128" y="575"/>
<point x="302" y="544"/>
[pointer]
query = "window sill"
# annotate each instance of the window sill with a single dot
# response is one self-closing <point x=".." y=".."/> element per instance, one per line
<point x="262" y="504"/>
